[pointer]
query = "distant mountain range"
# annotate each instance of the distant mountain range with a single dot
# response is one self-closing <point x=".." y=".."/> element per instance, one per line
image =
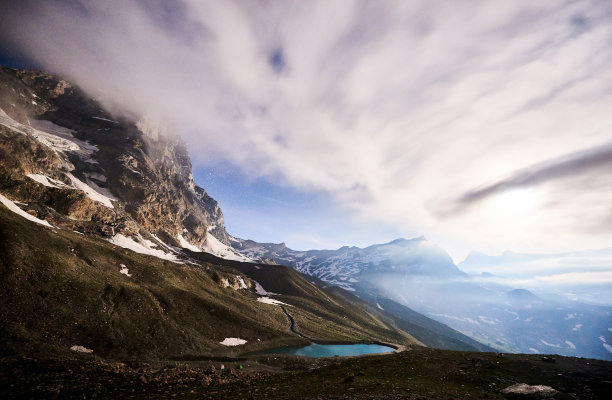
<point x="421" y="276"/>
<point x="348" y="266"/>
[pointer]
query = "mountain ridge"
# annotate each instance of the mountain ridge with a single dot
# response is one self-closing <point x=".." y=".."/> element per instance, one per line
<point x="143" y="181"/>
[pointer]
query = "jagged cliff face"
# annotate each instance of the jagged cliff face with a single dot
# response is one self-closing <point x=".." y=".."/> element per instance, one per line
<point x="66" y="160"/>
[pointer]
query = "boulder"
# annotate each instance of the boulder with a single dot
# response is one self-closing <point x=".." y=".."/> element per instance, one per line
<point x="525" y="391"/>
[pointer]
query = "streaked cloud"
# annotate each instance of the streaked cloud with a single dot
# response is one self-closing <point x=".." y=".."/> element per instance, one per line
<point x="395" y="109"/>
<point x="596" y="161"/>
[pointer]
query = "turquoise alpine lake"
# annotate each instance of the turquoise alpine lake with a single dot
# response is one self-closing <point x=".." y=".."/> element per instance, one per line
<point x="329" y="350"/>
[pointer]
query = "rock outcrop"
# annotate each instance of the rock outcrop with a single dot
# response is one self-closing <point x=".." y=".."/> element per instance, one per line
<point x="70" y="162"/>
<point x="525" y="391"/>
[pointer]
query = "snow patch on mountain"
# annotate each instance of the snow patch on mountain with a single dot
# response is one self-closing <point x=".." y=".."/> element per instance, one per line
<point x="275" y="302"/>
<point x="14" y="208"/>
<point x="101" y="190"/>
<point x="186" y="245"/>
<point x="516" y="315"/>
<point x="125" y="271"/>
<point x="462" y="319"/>
<point x="96" y="176"/>
<point x="91" y="192"/>
<point x="142" y="246"/>
<point x="230" y="341"/>
<point x="91" y="189"/>
<point x="345" y="266"/>
<point x="487" y="320"/>
<point x="261" y="291"/>
<point x="241" y="283"/>
<point x="215" y="247"/>
<point x="46" y="181"/>
<point x="56" y="137"/>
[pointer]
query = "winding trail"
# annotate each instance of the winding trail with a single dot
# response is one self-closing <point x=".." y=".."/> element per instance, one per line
<point x="292" y="323"/>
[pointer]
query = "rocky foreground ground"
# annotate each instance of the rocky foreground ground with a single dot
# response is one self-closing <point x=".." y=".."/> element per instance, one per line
<point x="414" y="374"/>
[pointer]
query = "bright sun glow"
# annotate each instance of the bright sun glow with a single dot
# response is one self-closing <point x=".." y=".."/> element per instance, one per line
<point x="516" y="203"/>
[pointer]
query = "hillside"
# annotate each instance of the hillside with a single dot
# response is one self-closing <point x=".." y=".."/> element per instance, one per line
<point x="72" y="291"/>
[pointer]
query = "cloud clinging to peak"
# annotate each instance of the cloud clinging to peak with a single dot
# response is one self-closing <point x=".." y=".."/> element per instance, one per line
<point x="394" y="108"/>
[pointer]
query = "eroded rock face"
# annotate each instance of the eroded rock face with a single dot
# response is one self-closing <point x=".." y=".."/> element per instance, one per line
<point x="525" y="391"/>
<point x="125" y="179"/>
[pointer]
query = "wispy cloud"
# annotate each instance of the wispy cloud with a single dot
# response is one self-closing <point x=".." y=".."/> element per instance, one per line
<point x="394" y="108"/>
<point x="595" y="161"/>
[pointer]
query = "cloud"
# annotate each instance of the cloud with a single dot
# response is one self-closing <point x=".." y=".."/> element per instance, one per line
<point x="393" y="108"/>
<point x="583" y="163"/>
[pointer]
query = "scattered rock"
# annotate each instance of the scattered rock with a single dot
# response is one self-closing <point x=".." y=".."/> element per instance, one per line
<point x="525" y="391"/>
<point x="81" y="349"/>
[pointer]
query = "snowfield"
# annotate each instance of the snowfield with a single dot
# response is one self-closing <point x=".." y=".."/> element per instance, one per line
<point x="186" y="245"/>
<point x="274" y="302"/>
<point x="46" y="181"/>
<point x="14" y="208"/>
<point x="91" y="189"/>
<point x="261" y="291"/>
<point x="124" y="270"/>
<point x="141" y="246"/>
<point x="232" y="341"/>
<point x="217" y="248"/>
<point x="91" y="192"/>
<point x="241" y="283"/>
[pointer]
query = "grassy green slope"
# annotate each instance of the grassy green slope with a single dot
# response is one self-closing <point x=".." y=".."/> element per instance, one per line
<point x="321" y="315"/>
<point x="60" y="289"/>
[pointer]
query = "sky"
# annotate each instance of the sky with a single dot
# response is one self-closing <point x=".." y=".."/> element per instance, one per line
<point x="481" y="125"/>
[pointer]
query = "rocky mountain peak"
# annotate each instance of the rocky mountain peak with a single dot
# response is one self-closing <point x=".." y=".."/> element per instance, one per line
<point x="76" y="165"/>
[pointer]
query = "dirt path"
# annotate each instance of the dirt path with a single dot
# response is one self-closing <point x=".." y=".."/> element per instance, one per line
<point x="292" y="323"/>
